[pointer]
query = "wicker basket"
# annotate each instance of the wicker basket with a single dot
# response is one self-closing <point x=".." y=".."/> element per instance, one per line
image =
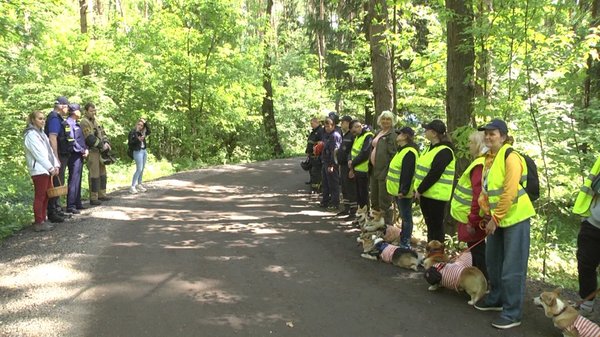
<point x="58" y="191"/>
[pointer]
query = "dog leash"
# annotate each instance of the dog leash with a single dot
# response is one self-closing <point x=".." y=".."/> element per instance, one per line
<point x="466" y="250"/>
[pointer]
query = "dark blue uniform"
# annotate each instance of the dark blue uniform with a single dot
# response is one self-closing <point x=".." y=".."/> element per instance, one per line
<point x="330" y="170"/>
<point x="54" y="126"/>
<point x="77" y="149"/>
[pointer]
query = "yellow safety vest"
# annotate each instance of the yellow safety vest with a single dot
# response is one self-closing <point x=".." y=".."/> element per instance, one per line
<point x="586" y="195"/>
<point x="460" y="206"/>
<point x="521" y="208"/>
<point x="442" y="189"/>
<point x="392" y="182"/>
<point x="356" y="147"/>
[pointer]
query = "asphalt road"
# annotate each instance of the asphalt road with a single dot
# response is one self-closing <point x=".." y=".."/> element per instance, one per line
<point x="228" y="251"/>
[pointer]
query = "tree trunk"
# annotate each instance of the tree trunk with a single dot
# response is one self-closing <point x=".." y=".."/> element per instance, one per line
<point x="481" y="89"/>
<point x="321" y="48"/>
<point x="83" y="7"/>
<point x="380" y="57"/>
<point x="268" y="111"/>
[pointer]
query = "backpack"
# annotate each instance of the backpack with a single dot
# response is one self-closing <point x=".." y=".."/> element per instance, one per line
<point x="533" y="181"/>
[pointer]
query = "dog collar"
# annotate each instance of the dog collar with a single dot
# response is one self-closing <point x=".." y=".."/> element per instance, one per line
<point x="561" y="312"/>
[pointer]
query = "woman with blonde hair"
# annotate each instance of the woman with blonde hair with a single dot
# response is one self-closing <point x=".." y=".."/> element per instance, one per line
<point x="42" y="165"/>
<point x="383" y="149"/>
<point x="464" y="207"/>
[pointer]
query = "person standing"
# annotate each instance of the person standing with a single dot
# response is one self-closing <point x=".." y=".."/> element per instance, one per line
<point x="587" y="205"/>
<point x="383" y="149"/>
<point x="42" y="164"/>
<point x="331" y="174"/>
<point x="348" y="184"/>
<point x="315" y="136"/>
<point x="58" y="137"/>
<point x="358" y="164"/>
<point x="137" y="143"/>
<point x="464" y="207"/>
<point x="78" y="151"/>
<point x="434" y="178"/>
<point x="97" y="142"/>
<point x="505" y="202"/>
<point x="400" y="180"/>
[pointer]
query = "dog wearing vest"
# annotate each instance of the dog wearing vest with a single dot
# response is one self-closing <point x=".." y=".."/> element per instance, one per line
<point x="458" y="275"/>
<point x="398" y="256"/>
<point x="565" y="317"/>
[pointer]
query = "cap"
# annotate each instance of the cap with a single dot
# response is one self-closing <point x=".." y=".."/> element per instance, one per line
<point x="407" y="131"/>
<point x="435" y="125"/>
<point x="334" y="117"/>
<point x="62" y="100"/>
<point x="74" y="107"/>
<point x="346" y="119"/>
<point x="495" y="124"/>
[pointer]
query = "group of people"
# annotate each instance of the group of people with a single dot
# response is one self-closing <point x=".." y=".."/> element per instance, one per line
<point x="64" y="139"/>
<point x="489" y="201"/>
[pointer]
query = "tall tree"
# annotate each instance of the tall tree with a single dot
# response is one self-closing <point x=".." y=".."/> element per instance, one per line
<point x="268" y="110"/>
<point x="380" y="56"/>
<point x="459" y="64"/>
<point x="83" y="7"/>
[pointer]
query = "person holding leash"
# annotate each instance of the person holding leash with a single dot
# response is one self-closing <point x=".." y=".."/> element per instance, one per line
<point x="506" y="204"/>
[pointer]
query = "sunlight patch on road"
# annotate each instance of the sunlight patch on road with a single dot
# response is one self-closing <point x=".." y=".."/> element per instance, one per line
<point x="126" y="244"/>
<point x="225" y="258"/>
<point x="279" y="270"/>
<point x="111" y="214"/>
<point x="238" y="323"/>
<point x="217" y="296"/>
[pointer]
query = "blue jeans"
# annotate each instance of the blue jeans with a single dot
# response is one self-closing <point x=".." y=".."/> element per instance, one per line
<point x="405" y="209"/>
<point x="506" y="256"/>
<point x="140" y="157"/>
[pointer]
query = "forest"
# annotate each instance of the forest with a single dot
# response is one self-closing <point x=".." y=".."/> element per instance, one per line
<point x="229" y="81"/>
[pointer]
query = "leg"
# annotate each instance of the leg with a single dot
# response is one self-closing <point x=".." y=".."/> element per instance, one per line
<point x="40" y="197"/>
<point x="588" y="258"/>
<point x="405" y="207"/>
<point x="374" y="189"/>
<point x="385" y="202"/>
<point x="144" y="158"/>
<point x="325" y="186"/>
<point x="334" y="186"/>
<point x="94" y="175"/>
<point x="362" y="189"/>
<point x="494" y="258"/>
<point x="103" y="182"/>
<point x="433" y="213"/>
<point x="72" y="188"/>
<point x="514" y="269"/>
<point x="138" y="158"/>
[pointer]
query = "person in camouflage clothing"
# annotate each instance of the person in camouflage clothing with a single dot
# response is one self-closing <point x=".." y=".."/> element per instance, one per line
<point x="97" y="142"/>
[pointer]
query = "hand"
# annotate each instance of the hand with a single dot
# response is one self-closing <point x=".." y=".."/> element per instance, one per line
<point x="470" y="229"/>
<point x="330" y="169"/>
<point x="490" y="227"/>
<point x="351" y="174"/>
<point x="86" y="153"/>
<point x="105" y="147"/>
<point x="350" y="164"/>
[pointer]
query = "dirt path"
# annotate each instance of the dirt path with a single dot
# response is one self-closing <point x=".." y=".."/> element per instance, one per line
<point x="228" y="251"/>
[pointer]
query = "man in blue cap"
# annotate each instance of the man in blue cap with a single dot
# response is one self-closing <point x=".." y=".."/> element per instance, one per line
<point x="57" y="135"/>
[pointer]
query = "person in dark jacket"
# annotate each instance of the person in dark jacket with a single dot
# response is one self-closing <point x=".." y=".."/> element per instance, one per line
<point x="314" y="137"/>
<point x="383" y="149"/>
<point x="78" y="151"/>
<point x="55" y="131"/>
<point x="137" y="143"/>
<point x="348" y="184"/>
<point x="358" y="163"/>
<point x="400" y="179"/>
<point x="434" y="178"/>
<point x="332" y="141"/>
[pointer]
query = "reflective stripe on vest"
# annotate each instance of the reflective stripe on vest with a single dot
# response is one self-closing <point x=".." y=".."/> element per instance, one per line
<point x="392" y="182"/>
<point x="586" y="195"/>
<point x="442" y="189"/>
<point x="356" y="147"/>
<point x="460" y="206"/>
<point x="521" y="208"/>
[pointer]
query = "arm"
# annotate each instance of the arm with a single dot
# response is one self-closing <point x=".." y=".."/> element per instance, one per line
<point x="35" y="146"/>
<point x="407" y="173"/>
<point x="364" y="153"/>
<point x="438" y="166"/>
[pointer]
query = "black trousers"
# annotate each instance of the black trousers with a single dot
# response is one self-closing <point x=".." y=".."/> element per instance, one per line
<point x="362" y="188"/>
<point x="433" y="213"/>
<point x="588" y="258"/>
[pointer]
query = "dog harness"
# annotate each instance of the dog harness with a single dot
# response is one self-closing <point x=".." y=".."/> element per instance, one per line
<point x="585" y="327"/>
<point x="388" y="252"/>
<point x="451" y="271"/>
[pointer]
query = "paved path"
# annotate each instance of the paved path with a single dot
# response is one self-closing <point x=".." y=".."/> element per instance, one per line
<point x="229" y="251"/>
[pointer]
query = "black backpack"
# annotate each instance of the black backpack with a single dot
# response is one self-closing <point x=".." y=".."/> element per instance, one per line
<point x="533" y="180"/>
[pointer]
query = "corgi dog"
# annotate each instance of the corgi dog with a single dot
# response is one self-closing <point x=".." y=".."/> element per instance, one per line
<point x="565" y="317"/>
<point x="434" y="253"/>
<point x="458" y="275"/>
<point x="377" y="222"/>
<point x="362" y="215"/>
<point x="398" y="256"/>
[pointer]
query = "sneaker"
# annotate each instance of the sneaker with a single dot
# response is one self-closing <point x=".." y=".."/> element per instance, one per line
<point x="503" y="323"/>
<point x="141" y="188"/>
<point x="483" y="306"/>
<point x="585" y="309"/>
<point x="55" y="218"/>
<point x="132" y="190"/>
<point x="333" y="208"/>
<point x="80" y="207"/>
<point x="42" y="227"/>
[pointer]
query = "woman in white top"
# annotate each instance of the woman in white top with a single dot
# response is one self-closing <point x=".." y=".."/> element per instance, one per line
<point x="42" y="164"/>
